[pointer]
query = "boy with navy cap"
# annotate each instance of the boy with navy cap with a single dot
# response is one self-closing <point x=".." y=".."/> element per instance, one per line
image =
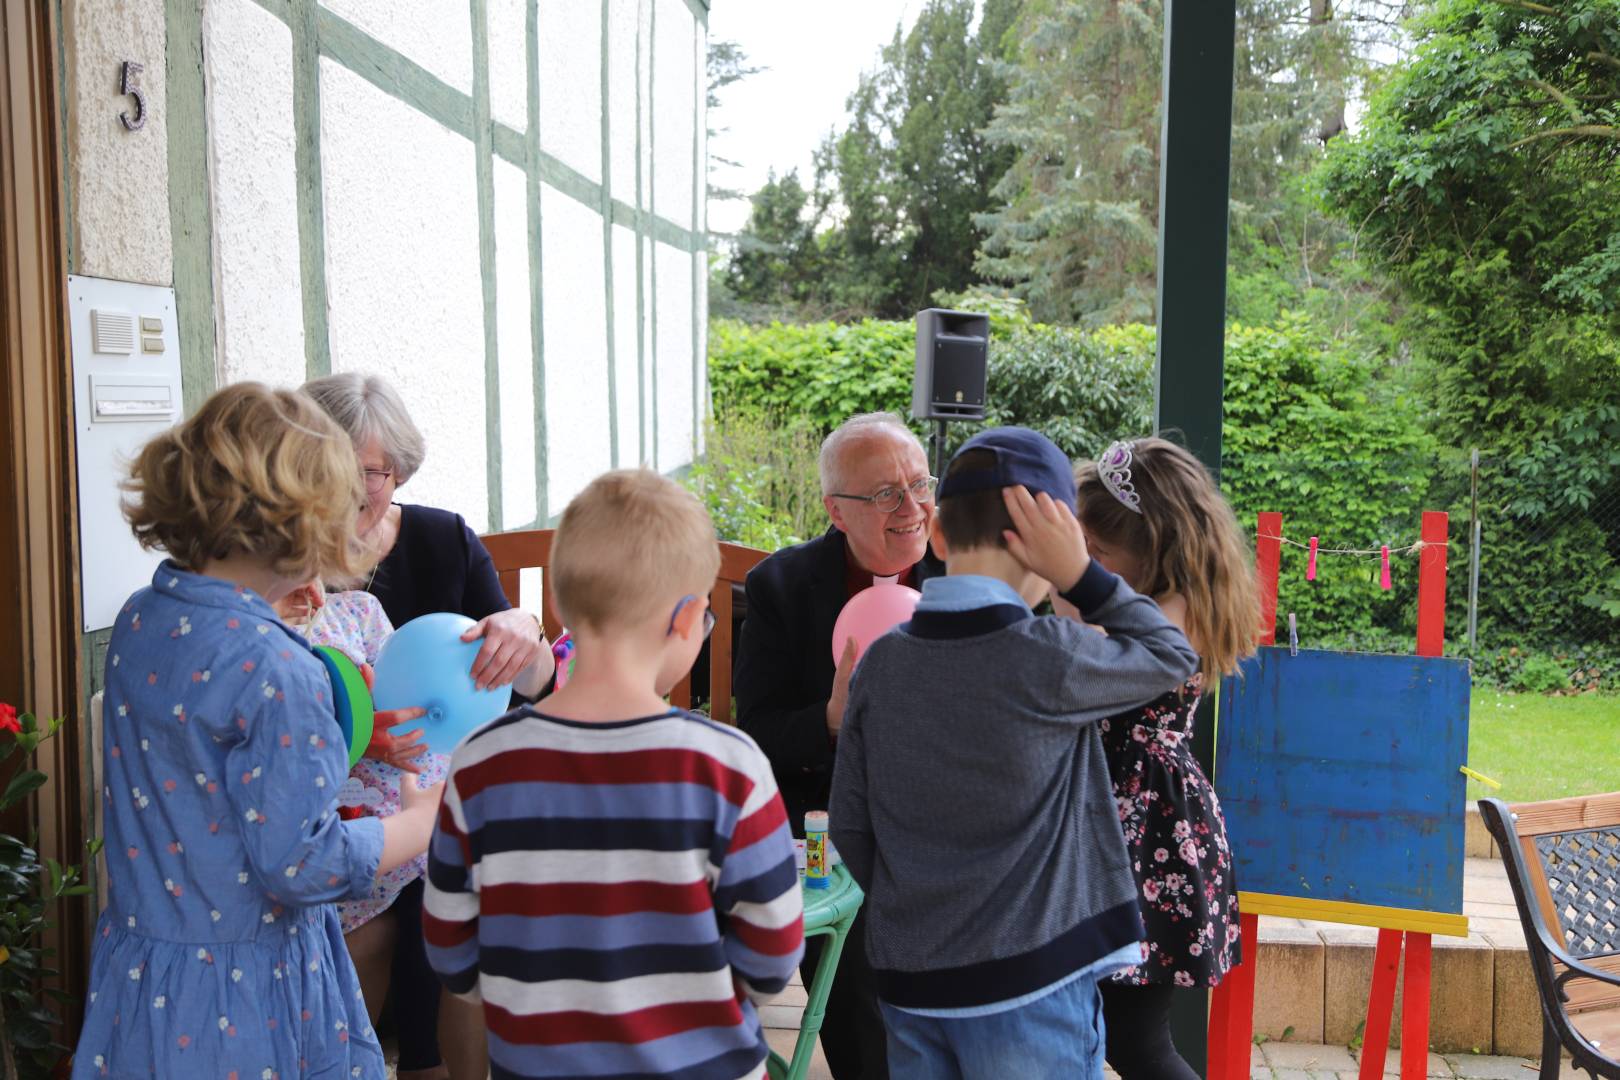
<point x="971" y="799"/>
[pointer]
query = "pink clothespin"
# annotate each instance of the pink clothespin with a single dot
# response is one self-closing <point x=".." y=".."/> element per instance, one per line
<point x="1310" y="564"/>
<point x="1384" y="579"/>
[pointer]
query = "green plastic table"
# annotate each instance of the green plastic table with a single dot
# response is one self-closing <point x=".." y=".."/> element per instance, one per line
<point x="830" y="912"/>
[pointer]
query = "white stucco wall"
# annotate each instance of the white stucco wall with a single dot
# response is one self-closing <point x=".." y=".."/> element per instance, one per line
<point x="633" y="449"/>
<point x="700" y="174"/>
<point x="649" y="322"/>
<point x="571" y="83"/>
<point x="672" y="111"/>
<point x="645" y="75"/>
<point x="700" y="223"/>
<point x="119" y="179"/>
<point x="575" y="311"/>
<point x="404" y="288"/>
<point x="436" y="34"/>
<point x="622" y="78"/>
<point x="508" y="62"/>
<point x="674" y="356"/>
<point x="700" y="281"/>
<point x="516" y="345"/>
<point x="404" y="274"/>
<point x="258" y="286"/>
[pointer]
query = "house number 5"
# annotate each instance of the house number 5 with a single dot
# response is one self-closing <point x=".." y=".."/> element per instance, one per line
<point x="129" y="73"/>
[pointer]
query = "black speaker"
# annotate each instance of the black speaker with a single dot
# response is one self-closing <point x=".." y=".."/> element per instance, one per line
<point x="953" y="350"/>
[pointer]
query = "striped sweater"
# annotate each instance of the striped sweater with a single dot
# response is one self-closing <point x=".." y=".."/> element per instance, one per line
<point x="618" y="895"/>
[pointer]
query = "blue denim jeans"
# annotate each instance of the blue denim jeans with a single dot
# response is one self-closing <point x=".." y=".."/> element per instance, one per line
<point x="1059" y="1035"/>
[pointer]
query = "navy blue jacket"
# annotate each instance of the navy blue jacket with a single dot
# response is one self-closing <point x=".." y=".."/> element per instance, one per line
<point x="437" y="564"/>
<point x="783" y="666"/>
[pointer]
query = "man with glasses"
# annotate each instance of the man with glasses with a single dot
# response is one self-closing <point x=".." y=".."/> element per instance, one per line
<point x="790" y="695"/>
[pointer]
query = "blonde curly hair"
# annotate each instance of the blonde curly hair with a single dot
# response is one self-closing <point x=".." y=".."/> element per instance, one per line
<point x="256" y="472"/>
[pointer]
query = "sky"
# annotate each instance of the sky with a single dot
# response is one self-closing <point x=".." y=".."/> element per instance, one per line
<point x="815" y="53"/>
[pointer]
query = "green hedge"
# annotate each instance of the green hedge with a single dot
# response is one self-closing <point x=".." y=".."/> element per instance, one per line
<point x="1079" y="387"/>
<point x="1335" y="441"/>
<point x="1310" y="431"/>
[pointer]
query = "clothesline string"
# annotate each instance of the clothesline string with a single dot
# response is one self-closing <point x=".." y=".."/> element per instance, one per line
<point x="1412" y="549"/>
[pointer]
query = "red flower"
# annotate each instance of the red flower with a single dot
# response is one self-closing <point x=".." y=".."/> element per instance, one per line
<point x="8" y="718"/>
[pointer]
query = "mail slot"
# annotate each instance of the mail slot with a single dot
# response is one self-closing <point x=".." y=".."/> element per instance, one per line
<point x="126" y="398"/>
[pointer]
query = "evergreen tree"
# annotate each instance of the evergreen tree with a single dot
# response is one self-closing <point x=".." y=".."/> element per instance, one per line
<point x="773" y="261"/>
<point x="1076" y="231"/>
<point x="913" y="169"/>
<point x="944" y="168"/>
<point x="1076" y="235"/>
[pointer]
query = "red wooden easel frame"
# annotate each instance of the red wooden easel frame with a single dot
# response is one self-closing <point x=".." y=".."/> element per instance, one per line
<point x="1231" y="1013"/>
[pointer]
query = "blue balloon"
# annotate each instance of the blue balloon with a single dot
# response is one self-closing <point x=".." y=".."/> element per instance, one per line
<point x="425" y="664"/>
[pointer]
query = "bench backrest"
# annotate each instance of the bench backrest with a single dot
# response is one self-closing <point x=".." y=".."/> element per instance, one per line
<point x="1570" y="856"/>
<point x="530" y="549"/>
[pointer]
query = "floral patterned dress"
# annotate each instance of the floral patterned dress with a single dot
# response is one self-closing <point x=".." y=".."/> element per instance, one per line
<point x="354" y="623"/>
<point x="1176" y="839"/>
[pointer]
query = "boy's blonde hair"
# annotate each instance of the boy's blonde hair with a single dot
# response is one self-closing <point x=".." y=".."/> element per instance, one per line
<point x="626" y="544"/>
<point x="1188" y="542"/>
<point x="255" y="472"/>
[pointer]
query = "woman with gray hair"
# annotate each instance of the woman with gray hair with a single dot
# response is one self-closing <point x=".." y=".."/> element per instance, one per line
<point x="426" y="560"/>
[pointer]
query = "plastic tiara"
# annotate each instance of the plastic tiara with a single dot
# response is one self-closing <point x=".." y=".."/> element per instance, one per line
<point x="1114" y="469"/>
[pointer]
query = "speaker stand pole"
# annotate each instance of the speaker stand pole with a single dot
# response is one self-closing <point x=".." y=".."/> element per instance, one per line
<point x="937" y="440"/>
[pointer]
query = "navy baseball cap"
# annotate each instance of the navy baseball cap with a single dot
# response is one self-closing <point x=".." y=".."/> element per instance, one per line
<point x="1022" y="457"/>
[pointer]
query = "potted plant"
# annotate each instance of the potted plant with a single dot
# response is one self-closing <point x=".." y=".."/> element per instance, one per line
<point x="29" y="887"/>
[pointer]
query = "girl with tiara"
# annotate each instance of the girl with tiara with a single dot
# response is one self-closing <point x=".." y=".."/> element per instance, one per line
<point x="1152" y="514"/>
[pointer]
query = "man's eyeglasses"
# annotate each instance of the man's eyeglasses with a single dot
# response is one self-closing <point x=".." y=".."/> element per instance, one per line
<point x="887" y="500"/>
<point x="708" y="616"/>
<point x="377" y="479"/>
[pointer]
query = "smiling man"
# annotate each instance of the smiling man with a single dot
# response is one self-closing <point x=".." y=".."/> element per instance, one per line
<point x="791" y="697"/>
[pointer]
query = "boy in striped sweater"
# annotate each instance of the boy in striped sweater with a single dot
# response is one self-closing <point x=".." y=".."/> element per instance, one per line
<point x="615" y="878"/>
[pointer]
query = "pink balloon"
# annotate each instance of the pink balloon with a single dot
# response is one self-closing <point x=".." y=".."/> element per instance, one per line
<point x="871" y="614"/>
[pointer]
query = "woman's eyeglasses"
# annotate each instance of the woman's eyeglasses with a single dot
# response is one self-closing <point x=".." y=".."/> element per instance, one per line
<point x="377" y="479"/>
<point x="887" y="500"/>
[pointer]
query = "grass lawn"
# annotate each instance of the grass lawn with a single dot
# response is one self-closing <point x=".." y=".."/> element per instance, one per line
<point x="1543" y="747"/>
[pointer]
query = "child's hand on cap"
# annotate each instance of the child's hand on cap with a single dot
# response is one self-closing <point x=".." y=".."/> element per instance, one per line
<point x="1045" y="538"/>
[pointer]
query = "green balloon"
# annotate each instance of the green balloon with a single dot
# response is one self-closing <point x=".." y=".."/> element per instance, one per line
<point x="355" y="712"/>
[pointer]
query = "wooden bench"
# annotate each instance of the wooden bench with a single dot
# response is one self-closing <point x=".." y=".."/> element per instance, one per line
<point x="1563" y="861"/>
<point x="515" y="552"/>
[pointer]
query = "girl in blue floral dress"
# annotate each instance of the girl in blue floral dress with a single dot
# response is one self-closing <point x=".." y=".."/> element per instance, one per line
<point x="219" y="954"/>
<point x="1153" y="515"/>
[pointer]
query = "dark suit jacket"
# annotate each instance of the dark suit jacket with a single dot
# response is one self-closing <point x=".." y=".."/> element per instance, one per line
<point x="784" y="666"/>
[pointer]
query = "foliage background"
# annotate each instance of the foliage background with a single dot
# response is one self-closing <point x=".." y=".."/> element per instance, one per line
<point x="1424" y="260"/>
<point x="1313" y="429"/>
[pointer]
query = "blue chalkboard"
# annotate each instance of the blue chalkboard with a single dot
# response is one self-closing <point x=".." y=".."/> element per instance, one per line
<point x="1338" y="776"/>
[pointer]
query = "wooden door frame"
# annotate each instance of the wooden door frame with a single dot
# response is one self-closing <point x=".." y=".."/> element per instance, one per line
<point x="40" y="667"/>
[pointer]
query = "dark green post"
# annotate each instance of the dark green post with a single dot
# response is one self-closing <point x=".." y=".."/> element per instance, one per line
<point x="1195" y="165"/>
